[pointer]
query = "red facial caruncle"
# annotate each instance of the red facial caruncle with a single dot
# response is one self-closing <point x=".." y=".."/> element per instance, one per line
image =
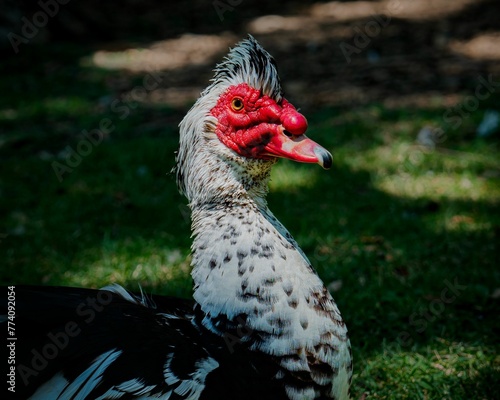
<point x="256" y="126"/>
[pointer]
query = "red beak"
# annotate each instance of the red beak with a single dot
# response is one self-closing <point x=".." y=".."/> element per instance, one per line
<point x="298" y="148"/>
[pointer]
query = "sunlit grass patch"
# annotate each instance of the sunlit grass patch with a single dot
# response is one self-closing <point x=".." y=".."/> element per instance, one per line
<point x="287" y="176"/>
<point x="133" y="263"/>
<point x="438" y="186"/>
<point x="441" y="370"/>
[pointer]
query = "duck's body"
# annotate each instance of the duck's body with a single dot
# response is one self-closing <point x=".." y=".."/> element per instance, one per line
<point x="262" y="325"/>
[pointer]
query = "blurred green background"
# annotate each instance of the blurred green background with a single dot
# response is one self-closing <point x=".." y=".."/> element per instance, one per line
<point x="404" y="229"/>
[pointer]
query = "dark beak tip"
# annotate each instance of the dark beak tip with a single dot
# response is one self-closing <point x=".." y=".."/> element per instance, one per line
<point x="327" y="163"/>
<point x="325" y="158"/>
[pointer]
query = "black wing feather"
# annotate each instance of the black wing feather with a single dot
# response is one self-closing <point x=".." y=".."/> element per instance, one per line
<point x="85" y="324"/>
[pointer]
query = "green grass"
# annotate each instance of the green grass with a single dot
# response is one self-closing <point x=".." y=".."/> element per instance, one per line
<point x="391" y="225"/>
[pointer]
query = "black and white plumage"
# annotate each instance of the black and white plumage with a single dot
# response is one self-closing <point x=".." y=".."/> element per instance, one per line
<point x="262" y="324"/>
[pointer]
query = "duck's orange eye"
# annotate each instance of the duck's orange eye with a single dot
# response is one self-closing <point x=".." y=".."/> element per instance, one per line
<point x="237" y="104"/>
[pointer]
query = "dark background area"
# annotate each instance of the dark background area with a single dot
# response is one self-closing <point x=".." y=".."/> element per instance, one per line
<point x="428" y="47"/>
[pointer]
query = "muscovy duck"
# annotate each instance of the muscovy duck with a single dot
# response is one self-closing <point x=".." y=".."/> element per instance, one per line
<point x="262" y="324"/>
